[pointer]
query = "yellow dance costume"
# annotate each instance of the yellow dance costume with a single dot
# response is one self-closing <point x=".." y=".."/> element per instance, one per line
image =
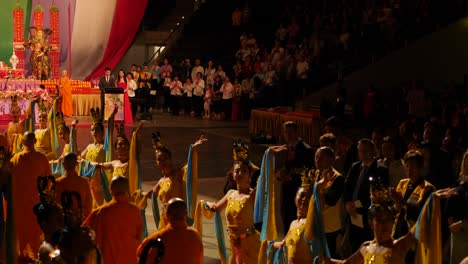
<point x="374" y="254"/>
<point x="297" y="249"/>
<point x="170" y="187"/>
<point x="244" y="239"/>
<point x="96" y="153"/>
<point x="43" y="143"/>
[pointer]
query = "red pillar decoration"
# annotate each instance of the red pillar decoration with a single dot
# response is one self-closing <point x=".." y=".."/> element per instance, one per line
<point x="18" y="34"/>
<point x="38" y="17"/>
<point x="54" y="41"/>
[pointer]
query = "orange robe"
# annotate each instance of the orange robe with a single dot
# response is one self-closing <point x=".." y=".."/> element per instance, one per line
<point x="66" y="92"/>
<point x="72" y="182"/>
<point x="182" y="244"/>
<point x="119" y="227"/>
<point x="26" y="167"/>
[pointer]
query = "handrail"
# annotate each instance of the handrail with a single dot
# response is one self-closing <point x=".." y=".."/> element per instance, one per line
<point x="159" y="50"/>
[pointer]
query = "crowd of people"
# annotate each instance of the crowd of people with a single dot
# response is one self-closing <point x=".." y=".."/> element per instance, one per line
<point x="367" y="194"/>
<point x="376" y="196"/>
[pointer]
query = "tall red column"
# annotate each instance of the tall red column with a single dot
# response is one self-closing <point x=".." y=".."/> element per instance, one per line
<point x="54" y="41"/>
<point x="18" y="34"/>
<point x="38" y="17"/>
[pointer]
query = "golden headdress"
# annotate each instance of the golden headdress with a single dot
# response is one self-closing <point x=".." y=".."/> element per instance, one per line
<point x="381" y="199"/>
<point x="308" y="178"/>
<point x="240" y="151"/>
<point x="42" y="106"/>
<point x="156" y="141"/>
<point x="121" y="133"/>
<point x="96" y="115"/>
<point x="14" y="104"/>
<point x="60" y="121"/>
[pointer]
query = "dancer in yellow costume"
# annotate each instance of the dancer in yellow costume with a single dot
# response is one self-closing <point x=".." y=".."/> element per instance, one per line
<point x="173" y="183"/>
<point x="244" y="239"/>
<point x="95" y="152"/>
<point x="383" y="249"/>
<point x="126" y="163"/>
<point x="16" y="126"/>
<point x="44" y="134"/>
<point x="123" y="149"/>
<point x="68" y="137"/>
<point x="297" y="248"/>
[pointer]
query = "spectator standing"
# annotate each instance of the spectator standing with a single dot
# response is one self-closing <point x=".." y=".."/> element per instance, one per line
<point x="198" y="92"/>
<point x="197" y="69"/>
<point x="227" y="90"/>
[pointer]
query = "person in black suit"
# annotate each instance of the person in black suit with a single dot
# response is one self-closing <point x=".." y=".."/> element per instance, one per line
<point x="299" y="156"/>
<point x="106" y="81"/>
<point x="361" y="176"/>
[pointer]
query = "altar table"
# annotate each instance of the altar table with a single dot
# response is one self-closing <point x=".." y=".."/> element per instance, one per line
<point x="270" y="121"/>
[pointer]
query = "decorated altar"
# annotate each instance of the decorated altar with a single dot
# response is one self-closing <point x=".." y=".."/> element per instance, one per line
<point x="85" y="96"/>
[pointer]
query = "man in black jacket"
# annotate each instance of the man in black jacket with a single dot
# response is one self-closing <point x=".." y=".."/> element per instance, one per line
<point x="362" y="175"/>
<point x="106" y="81"/>
<point x="299" y="156"/>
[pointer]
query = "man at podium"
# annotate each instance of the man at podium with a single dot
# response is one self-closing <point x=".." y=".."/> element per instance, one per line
<point x="106" y="81"/>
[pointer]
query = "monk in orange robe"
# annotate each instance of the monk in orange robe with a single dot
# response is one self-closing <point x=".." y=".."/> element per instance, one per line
<point x="26" y="166"/>
<point x="118" y="225"/>
<point x="181" y="244"/>
<point x="66" y="93"/>
<point x="71" y="181"/>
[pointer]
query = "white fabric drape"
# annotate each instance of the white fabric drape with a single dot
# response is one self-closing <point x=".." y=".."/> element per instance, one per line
<point x="91" y="29"/>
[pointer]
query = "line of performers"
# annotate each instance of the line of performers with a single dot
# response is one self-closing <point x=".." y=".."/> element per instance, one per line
<point x="84" y="188"/>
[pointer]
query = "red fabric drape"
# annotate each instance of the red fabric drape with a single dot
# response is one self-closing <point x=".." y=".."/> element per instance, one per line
<point x="127" y="17"/>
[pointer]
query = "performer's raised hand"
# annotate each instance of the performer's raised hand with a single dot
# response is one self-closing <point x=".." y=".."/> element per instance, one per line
<point x="201" y="140"/>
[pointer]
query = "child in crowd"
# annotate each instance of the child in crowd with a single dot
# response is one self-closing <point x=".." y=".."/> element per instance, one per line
<point x="208" y="99"/>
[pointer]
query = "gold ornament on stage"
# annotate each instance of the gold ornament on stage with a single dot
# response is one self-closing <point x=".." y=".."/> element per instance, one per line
<point x="39" y="44"/>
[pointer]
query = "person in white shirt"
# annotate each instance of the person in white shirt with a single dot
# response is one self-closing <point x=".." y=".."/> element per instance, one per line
<point x="196" y="69"/>
<point x="392" y="161"/>
<point x="176" y="95"/>
<point x="131" y="89"/>
<point x="187" y="94"/>
<point x="302" y="74"/>
<point x="167" y="92"/>
<point x="227" y="90"/>
<point x="198" y="92"/>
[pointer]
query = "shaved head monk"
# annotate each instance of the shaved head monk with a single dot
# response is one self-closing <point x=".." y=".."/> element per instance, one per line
<point x="71" y="181"/>
<point x="26" y="166"/>
<point x="175" y="243"/>
<point x="118" y="225"/>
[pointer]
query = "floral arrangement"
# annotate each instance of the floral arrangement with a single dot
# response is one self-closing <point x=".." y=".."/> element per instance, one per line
<point x="30" y="95"/>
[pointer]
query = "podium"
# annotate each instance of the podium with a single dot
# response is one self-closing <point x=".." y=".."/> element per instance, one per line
<point x="114" y="96"/>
